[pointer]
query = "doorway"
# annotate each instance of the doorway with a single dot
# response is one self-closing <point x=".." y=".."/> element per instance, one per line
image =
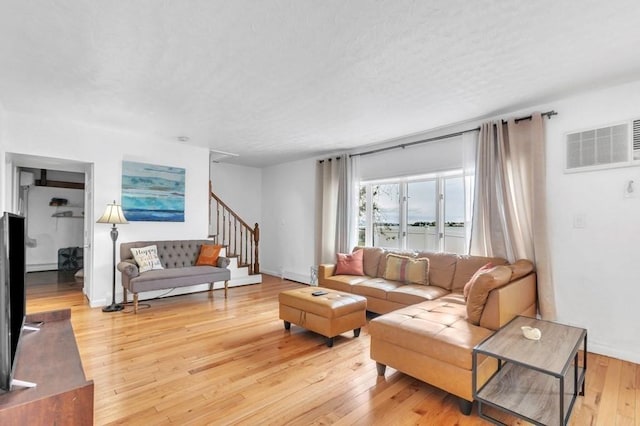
<point x="55" y="195"/>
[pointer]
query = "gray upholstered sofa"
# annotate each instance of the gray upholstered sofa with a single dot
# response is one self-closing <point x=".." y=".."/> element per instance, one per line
<point x="178" y="258"/>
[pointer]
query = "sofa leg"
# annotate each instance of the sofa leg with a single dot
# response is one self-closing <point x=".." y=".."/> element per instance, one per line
<point x="135" y="303"/>
<point x="124" y="295"/>
<point x="210" y="286"/>
<point x="465" y="406"/>
<point x="381" y="368"/>
<point x="226" y="286"/>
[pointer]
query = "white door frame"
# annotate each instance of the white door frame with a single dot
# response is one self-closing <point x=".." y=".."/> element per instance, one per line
<point x="15" y="161"/>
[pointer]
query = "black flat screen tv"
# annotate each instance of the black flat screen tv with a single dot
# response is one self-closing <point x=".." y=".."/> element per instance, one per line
<point x="12" y="293"/>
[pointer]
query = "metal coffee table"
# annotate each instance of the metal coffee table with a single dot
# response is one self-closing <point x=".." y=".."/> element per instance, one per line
<point x="537" y="381"/>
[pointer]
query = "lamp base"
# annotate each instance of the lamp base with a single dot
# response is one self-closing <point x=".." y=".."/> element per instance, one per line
<point x="114" y="307"/>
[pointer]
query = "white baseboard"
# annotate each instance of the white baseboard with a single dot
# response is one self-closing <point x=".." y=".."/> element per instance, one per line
<point x="97" y="303"/>
<point x="613" y="352"/>
<point x="40" y="267"/>
<point x="249" y="279"/>
<point x="293" y="276"/>
<point x="299" y="278"/>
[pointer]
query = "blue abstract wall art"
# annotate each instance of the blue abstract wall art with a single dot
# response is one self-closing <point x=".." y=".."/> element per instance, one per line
<point x="152" y="193"/>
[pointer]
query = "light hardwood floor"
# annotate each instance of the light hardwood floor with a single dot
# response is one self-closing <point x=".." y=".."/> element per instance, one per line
<point x="201" y="359"/>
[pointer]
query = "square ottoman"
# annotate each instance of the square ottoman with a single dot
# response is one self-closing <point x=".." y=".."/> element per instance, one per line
<point x="329" y="314"/>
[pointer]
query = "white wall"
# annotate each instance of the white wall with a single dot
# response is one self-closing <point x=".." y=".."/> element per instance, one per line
<point x="106" y="148"/>
<point x="596" y="268"/>
<point x="240" y="188"/>
<point x="288" y="220"/>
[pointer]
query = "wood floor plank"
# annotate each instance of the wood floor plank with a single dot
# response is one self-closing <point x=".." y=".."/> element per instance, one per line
<point x="626" y="395"/>
<point x="587" y="406"/>
<point x="636" y="415"/>
<point x="202" y="359"/>
<point x="607" y="409"/>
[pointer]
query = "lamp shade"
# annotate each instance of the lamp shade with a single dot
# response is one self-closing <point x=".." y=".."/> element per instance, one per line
<point x="113" y="214"/>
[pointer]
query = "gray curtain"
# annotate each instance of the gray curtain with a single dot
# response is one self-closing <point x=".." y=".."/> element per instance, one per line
<point x="510" y="212"/>
<point x="347" y="208"/>
<point x="338" y="180"/>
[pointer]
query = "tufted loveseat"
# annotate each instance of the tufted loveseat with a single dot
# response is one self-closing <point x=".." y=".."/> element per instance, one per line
<point x="178" y="258"/>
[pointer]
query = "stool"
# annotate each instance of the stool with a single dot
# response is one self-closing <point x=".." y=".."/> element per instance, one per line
<point x="329" y="314"/>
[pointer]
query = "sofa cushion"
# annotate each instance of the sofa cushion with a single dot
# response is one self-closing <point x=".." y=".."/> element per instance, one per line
<point x="520" y="268"/>
<point x="146" y="258"/>
<point x="371" y="260"/>
<point x="375" y="287"/>
<point x="411" y="294"/>
<point x="442" y="267"/>
<point x="406" y="269"/>
<point x="177" y="277"/>
<point x="349" y="264"/>
<point x="342" y="282"/>
<point x="480" y="288"/>
<point x="467" y="266"/>
<point x="467" y="286"/>
<point x="435" y="328"/>
<point x="208" y="255"/>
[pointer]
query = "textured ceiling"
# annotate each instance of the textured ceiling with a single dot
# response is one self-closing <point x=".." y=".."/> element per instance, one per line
<point x="277" y="80"/>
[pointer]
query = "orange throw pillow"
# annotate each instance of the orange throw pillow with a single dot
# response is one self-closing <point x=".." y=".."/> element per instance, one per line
<point x="208" y="255"/>
<point x="350" y="264"/>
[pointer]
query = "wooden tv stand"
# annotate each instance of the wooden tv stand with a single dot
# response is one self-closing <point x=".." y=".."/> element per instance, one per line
<point x="50" y="358"/>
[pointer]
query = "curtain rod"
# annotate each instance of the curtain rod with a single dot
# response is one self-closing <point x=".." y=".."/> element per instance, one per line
<point x="547" y="114"/>
<point x="328" y="159"/>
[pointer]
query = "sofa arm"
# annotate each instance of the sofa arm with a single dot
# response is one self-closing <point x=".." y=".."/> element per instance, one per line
<point x="129" y="268"/>
<point x="223" y="262"/>
<point x="518" y="297"/>
<point x="325" y="271"/>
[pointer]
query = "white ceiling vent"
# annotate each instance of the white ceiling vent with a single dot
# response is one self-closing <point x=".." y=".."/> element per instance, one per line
<point x="218" y="156"/>
<point x="617" y="145"/>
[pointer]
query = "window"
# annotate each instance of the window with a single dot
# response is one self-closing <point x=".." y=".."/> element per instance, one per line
<point x="417" y="213"/>
<point x="422" y="208"/>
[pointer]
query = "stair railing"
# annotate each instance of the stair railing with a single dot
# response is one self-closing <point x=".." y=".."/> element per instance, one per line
<point x="228" y="229"/>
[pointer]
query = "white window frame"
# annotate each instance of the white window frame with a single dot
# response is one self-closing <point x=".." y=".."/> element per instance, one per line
<point x="403" y="182"/>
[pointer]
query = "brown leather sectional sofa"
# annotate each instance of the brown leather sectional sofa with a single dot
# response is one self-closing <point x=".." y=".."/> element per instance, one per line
<point x="429" y="331"/>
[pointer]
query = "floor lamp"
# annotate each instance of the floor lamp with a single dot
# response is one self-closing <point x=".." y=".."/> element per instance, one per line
<point x="114" y="215"/>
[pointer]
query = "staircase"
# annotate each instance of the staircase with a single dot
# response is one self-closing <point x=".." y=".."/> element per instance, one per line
<point x="239" y="239"/>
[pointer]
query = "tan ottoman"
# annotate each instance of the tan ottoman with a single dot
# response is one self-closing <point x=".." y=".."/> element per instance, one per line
<point x="329" y="314"/>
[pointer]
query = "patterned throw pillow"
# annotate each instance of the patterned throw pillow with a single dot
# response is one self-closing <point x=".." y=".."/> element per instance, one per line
<point x="208" y="255"/>
<point x="407" y="269"/>
<point x="147" y="258"/>
<point x="350" y="264"/>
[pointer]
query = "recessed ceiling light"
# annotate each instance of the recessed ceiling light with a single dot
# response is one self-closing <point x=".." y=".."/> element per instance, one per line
<point x="183" y="138"/>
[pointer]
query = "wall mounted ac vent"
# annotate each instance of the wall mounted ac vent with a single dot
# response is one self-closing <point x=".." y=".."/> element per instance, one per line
<point x="617" y="145"/>
<point x="636" y="139"/>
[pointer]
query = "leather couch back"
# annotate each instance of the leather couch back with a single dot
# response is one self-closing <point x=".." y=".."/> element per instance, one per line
<point x="172" y="253"/>
<point x="446" y="270"/>
<point x="466" y="266"/>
